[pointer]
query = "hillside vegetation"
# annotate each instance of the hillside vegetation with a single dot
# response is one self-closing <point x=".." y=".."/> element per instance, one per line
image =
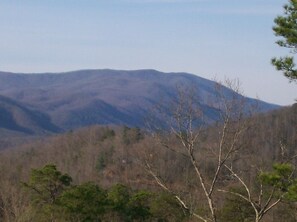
<point x="108" y="156"/>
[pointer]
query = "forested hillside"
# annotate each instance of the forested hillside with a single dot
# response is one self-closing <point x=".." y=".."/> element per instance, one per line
<point x="109" y="156"/>
<point x="129" y="144"/>
<point x="87" y="97"/>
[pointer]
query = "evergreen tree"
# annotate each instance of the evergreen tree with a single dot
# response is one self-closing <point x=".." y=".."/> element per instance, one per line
<point x="45" y="187"/>
<point x="86" y="202"/>
<point x="286" y="27"/>
<point x="46" y="184"/>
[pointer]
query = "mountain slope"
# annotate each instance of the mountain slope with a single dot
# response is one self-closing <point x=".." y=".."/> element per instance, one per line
<point x="87" y="97"/>
<point x="16" y="117"/>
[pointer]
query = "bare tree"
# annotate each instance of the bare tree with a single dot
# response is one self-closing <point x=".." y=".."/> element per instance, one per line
<point x="273" y="186"/>
<point x="210" y="140"/>
<point x="186" y="121"/>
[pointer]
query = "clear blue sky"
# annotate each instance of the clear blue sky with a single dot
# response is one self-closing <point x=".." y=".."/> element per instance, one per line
<point x="210" y="38"/>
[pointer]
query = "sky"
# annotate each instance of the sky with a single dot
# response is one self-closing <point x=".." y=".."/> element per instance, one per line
<point x="210" y="38"/>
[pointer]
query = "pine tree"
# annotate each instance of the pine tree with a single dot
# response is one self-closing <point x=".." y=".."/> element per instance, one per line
<point x="286" y="28"/>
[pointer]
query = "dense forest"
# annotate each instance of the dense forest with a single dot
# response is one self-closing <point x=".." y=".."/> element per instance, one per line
<point x="101" y="174"/>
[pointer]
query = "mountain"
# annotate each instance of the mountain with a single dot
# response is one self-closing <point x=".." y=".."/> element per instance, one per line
<point x="17" y="117"/>
<point x="87" y="97"/>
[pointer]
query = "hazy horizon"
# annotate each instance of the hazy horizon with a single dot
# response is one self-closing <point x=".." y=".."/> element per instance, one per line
<point x="209" y="38"/>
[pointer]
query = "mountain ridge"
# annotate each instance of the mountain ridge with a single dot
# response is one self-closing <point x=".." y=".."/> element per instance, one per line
<point x="119" y="97"/>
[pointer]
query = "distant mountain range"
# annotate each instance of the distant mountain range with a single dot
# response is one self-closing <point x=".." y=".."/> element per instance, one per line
<point x="53" y="102"/>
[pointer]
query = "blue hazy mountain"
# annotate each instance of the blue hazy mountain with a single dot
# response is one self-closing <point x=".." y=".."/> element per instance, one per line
<point x="86" y="97"/>
<point x="17" y="117"/>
